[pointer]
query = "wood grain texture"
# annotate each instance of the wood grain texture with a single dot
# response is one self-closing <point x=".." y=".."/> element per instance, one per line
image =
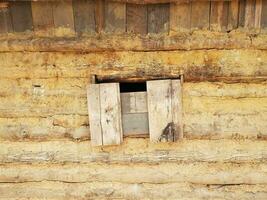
<point x="94" y="110"/>
<point x="233" y="14"/>
<point x="180" y="17"/>
<point x="42" y="14"/>
<point x="258" y="13"/>
<point x="241" y="13"/>
<point x="264" y="15"/>
<point x="21" y="13"/>
<point x="177" y="108"/>
<point x="5" y="19"/>
<point x="134" y="102"/>
<point x="159" y="101"/>
<point x="100" y="15"/>
<point x="137" y="18"/>
<point x="200" y="15"/>
<point x="158" y="18"/>
<point x="135" y="124"/>
<point x="110" y="109"/>
<point x="115" y="17"/>
<point x="250" y="13"/>
<point x="219" y="16"/>
<point x="63" y="14"/>
<point x="84" y="16"/>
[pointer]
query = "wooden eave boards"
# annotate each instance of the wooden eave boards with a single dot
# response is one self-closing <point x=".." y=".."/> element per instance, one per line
<point x="157" y="111"/>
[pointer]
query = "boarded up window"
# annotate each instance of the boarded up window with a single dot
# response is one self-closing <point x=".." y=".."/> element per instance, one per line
<point x="154" y="108"/>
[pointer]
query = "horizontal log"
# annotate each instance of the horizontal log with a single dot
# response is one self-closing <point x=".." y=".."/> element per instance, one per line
<point x="112" y="190"/>
<point x="135" y="151"/>
<point x="196" y="173"/>
<point x="125" y="42"/>
<point x="195" y="65"/>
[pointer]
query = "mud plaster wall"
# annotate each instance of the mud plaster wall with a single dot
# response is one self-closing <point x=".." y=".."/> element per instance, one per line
<point x="44" y="131"/>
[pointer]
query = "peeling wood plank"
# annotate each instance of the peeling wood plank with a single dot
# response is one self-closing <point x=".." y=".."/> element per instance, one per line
<point x="219" y="16"/>
<point x="21" y="13"/>
<point x="115" y="17"/>
<point x="42" y="14"/>
<point x="180" y="17"/>
<point x="158" y="18"/>
<point x="63" y="14"/>
<point x="137" y="19"/>
<point x="5" y="18"/>
<point x="233" y="14"/>
<point x="93" y="102"/>
<point x="159" y="107"/>
<point x="200" y="15"/>
<point x="110" y="109"/>
<point x="84" y="16"/>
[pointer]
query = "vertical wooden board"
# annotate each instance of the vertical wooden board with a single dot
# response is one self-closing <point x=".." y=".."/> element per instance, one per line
<point x="264" y="15"/>
<point x="159" y="107"/>
<point x="241" y="15"/>
<point x="180" y="16"/>
<point x="250" y="13"/>
<point x="219" y="15"/>
<point x="5" y="19"/>
<point x="93" y="101"/>
<point x="84" y="16"/>
<point x="136" y="18"/>
<point x="110" y="106"/>
<point x="115" y="17"/>
<point x="134" y="102"/>
<point x="158" y="18"/>
<point x="21" y="14"/>
<point x="42" y="15"/>
<point x="200" y="15"/>
<point x="99" y="15"/>
<point x="177" y="112"/>
<point x="63" y="14"/>
<point x="258" y="11"/>
<point x="233" y="14"/>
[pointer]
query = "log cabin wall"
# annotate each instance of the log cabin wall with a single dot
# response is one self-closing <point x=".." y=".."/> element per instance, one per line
<point x="50" y="49"/>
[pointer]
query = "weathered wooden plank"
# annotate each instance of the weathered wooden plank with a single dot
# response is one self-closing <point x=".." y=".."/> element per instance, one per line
<point x="137" y="18"/>
<point x="200" y="15"/>
<point x="42" y="14"/>
<point x="63" y="14"/>
<point x="159" y="102"/>
<point x="158" y="18"/>
<point x="110" y="109"/>
<point x="134" y="102"/>
<point x="258" y="13"/>
<point x="233" y="14"/>
<point x="241" y="15"/>
<point x="180" y="17"/>
<point x="99" y="15"/>
<point x="84" y="16"/>
<point x="5" y="18"/>
<point x="93" y="101"/>
<point x="135" y="124"/>
<point x="264" y="15"/>
<point x="219" y="16"/>
<point x="21" y="13"/>
<point x="177" y="108"/>
<point x="115" y="17"/>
